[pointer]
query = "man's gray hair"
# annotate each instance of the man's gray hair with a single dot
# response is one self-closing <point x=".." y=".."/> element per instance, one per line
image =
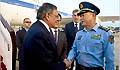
<point x="45" y="8"/>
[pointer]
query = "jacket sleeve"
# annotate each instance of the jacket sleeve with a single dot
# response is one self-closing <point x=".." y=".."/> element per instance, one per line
<point x="45" y="52"/>
<point x="73" y="52"/>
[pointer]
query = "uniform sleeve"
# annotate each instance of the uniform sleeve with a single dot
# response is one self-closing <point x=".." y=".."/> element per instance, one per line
<point x="109" y="51"/>
<point x="73" y="51"/>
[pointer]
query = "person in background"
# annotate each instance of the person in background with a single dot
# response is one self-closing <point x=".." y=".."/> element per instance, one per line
<point x="71" y="29"/>
<point x="39" y="49"/>
<point x="60" y="39"/>
<point x="93" y="43"/>
<point x="20" y="34"/>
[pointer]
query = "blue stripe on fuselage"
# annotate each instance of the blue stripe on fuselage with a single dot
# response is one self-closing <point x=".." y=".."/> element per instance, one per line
<point x="19" y="3"/>
<point x="27" y="5"/>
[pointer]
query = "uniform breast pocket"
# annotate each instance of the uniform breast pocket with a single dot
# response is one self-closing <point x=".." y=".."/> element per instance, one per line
<point x="80" y="45"/>
<point x="94" y="46"/>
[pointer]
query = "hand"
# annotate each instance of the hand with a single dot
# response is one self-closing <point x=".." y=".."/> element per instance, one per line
<point x="68" y="63"/>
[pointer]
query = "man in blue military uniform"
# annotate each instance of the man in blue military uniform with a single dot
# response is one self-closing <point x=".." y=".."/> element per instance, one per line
<point x="93" y="43"/>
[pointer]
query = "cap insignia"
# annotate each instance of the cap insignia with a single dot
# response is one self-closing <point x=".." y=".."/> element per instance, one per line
<point x="81" y="6"/>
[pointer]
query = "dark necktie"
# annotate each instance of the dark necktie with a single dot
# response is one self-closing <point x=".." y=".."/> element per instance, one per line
<point x="56" y="38"/>
<point x="76" y="28"/>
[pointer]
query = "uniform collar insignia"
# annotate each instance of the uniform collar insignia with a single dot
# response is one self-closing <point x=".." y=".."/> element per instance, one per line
<point x="81" y="6"/>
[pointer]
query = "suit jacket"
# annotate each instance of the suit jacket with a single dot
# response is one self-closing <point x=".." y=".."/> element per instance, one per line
<point x="70" y="34"/>
<point x="39" y="50"/>
<point x="19" y="40"/>
<point x="62" y="45"/>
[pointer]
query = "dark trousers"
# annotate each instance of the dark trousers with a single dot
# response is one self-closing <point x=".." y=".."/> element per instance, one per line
<point x="81" y="67"/>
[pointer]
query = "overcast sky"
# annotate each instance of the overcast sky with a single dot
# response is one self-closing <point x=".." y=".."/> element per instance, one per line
<point x="107" y="7"/>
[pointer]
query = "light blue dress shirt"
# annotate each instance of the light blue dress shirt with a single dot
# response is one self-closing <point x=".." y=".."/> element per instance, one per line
<point x="90" y="48"/>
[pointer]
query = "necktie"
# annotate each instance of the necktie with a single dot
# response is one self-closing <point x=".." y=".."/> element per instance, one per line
<point x="56" y="38"/>
<point x="76" y="28"/>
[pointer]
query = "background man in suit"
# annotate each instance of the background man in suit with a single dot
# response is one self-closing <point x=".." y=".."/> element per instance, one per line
<point x="60" y="39"/>
<point x="39" y="50"/>
<point x="71" y="29"/>
<point x="20" y="37"/>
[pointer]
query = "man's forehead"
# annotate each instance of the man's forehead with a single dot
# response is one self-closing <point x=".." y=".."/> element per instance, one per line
<point x="76" y="12"/>
<point x="27" y="19"/>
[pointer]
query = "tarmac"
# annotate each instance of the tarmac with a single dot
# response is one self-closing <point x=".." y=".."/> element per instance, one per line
<point x="117" y="50"/>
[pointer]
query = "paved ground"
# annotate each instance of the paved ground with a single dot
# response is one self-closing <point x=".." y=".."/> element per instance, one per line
<point x="116" y="51"/>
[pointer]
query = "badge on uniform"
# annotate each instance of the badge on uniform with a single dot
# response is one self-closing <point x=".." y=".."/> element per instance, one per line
<point x="79" y="37"/>
<point x="95" y="36"/>
<point x="111" y="39"/>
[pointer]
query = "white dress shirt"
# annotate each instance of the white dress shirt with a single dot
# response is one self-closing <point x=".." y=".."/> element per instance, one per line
<point x="45" y="25"/>
<point x="78" y="24"/>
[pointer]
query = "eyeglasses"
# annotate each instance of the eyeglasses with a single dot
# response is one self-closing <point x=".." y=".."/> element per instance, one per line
<point x="28" y="22"/>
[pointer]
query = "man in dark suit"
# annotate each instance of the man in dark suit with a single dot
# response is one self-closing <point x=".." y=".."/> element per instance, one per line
<point x="60" y="39"/>
<point x="20" y="37"/>
<point x="39" y="50"/>
<point x="71" y="30"/>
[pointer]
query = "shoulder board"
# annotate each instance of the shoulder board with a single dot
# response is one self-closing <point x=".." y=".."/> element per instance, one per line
<point x="104" y="28"/>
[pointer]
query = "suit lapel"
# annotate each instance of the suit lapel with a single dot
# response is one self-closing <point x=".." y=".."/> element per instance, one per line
<point x="46" y="30"/>
<point x="48" y="34"/>
<point x="72" y="29"/>
<point x="24" y="31"/>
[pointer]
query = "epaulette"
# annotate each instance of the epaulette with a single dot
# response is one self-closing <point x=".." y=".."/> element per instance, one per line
<point x="104" y="28"/>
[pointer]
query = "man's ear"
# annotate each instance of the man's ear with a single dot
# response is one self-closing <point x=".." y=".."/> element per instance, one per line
<point x="94" y="15"/>
<point x="47" y="16"/>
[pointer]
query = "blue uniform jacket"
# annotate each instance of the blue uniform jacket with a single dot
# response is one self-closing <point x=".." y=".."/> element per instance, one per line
<point x="90" y="48"/>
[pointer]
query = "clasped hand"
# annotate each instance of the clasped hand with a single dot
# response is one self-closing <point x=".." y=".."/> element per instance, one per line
<point x="68" y="63"/>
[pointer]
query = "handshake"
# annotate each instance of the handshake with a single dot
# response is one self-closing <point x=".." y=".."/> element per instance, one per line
<point x="68" y="63"/>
